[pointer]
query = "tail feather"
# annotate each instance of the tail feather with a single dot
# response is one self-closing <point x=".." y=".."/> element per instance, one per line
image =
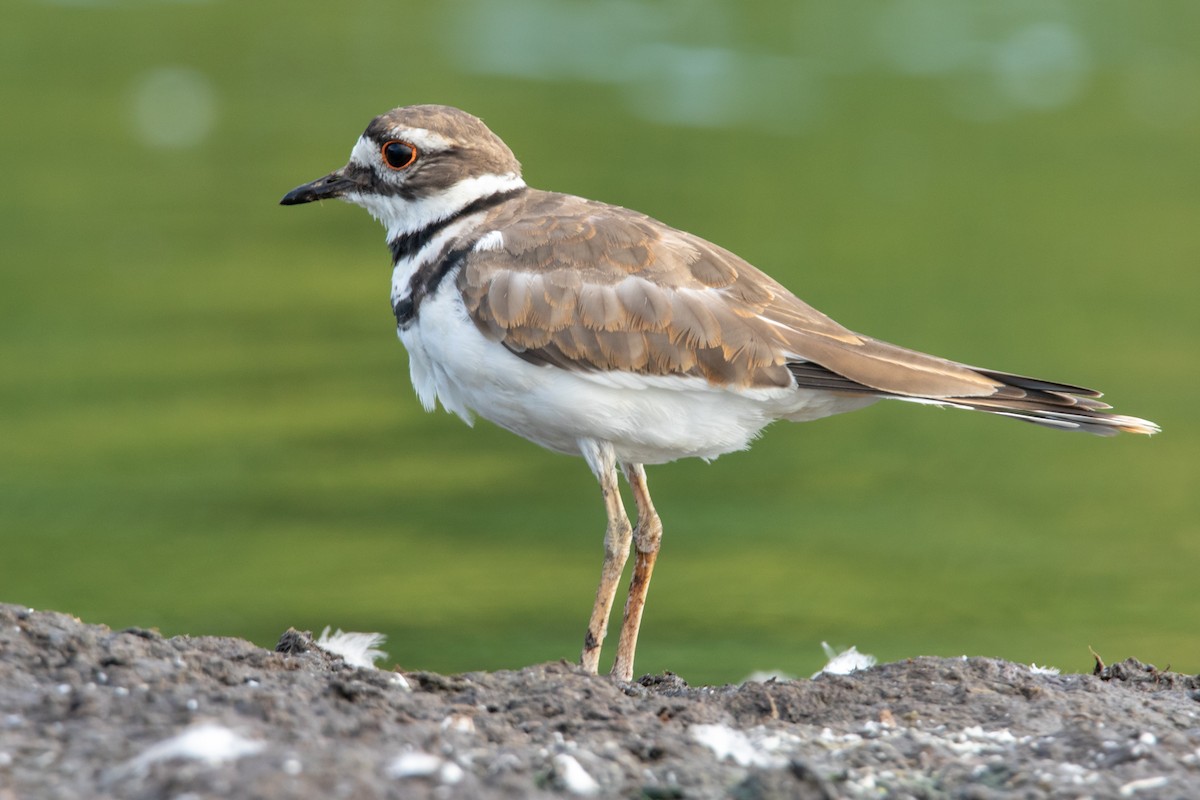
<point x="1055" y="405"/>
<point x="1062" y="406"/>
<point x="1061" y="416"/>
<point x="1036" y="384"/>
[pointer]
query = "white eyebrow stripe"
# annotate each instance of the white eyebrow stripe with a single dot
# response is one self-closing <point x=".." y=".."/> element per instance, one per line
<point x="366" y="149"/>
<point x="423" y="139"/>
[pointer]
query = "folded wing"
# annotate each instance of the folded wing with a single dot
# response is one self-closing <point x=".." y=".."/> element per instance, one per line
<point x="586" y="286"/>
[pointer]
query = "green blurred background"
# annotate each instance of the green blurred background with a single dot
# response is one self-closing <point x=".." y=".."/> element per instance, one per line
<point x="206" y="423"/>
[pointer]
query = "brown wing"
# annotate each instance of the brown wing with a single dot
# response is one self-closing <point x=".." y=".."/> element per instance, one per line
<point x="584" y="285"/>
<point x="587" y="286"/>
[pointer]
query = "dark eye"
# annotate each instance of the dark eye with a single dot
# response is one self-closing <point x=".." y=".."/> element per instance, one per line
<point x="398" y="155"/>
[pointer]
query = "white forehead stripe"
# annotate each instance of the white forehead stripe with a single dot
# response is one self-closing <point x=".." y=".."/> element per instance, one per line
<point x="365" y="151"/>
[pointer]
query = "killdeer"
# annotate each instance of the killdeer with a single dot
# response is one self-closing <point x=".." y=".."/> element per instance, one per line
<point x="597" y="331"/>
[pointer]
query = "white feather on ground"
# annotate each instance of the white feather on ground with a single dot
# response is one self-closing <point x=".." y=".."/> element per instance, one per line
<point x="845" y="662"/>
<point x="356" y="649"/>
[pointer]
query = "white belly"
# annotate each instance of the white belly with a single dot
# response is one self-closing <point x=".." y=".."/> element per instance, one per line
<point x="647" y="419"/>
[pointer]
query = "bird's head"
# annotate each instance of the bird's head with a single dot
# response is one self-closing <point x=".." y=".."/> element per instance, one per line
<point x="415" y="165"/>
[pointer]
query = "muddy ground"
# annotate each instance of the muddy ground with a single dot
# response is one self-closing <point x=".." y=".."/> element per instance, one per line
<point x="88" y="712"/>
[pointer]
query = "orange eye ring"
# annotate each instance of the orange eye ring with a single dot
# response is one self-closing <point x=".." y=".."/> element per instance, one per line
<point x="398" y="155"/>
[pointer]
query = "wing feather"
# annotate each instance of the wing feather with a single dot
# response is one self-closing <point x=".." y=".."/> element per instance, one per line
<point x="586" y="286"/>
<point x="599" y="309"/>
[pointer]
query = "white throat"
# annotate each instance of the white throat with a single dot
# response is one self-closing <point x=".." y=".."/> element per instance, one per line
<point x="402" y="216"/>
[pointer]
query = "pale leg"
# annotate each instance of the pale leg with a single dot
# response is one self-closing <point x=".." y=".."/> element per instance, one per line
<point x="617" y="538"/>
<point x="647" y="537"/>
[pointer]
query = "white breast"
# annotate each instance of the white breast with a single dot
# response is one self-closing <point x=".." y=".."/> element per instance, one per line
<point x="647" y="419"/>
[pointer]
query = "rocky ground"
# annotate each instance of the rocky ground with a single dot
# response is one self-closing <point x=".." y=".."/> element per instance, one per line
<point x="87" y="712"/>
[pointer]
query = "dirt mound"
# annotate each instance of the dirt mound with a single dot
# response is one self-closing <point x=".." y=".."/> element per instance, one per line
<point x="90" y="712"/>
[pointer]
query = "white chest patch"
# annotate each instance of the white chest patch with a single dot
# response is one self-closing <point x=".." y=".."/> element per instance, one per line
<point x="647" y="419"/>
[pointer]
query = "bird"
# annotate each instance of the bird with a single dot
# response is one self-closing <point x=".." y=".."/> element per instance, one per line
<point x="597" y="331"/>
